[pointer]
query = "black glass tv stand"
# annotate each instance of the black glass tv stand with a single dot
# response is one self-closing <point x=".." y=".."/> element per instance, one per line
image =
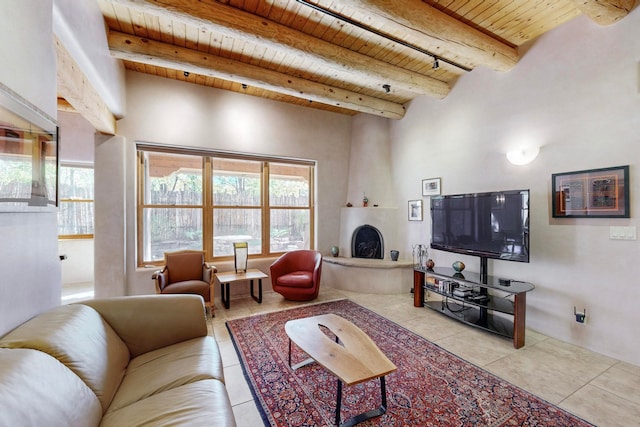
<point x="490" y="303"/>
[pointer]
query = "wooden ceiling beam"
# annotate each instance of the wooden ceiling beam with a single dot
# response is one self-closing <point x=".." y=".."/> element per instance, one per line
<point x="419" y="24"/>
<point x="75" y="88"/>
<point x="145" y="51"/>
<point x="345" y="65"/>
<point x="605" y="12"/>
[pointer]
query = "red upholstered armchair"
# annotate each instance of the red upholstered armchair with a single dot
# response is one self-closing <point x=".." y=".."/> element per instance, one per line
<point x="185" y="272"/>
<point x="296" y="275"/>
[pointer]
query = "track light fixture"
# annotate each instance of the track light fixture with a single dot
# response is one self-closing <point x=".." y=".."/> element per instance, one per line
<point x="387" y="88"/>
<point x="389" y="37"/>
<point x="244" y="85"/>
<point x="186" y="74"/>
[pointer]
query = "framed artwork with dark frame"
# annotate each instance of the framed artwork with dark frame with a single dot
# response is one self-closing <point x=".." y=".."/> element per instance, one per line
<point x="431" y="187"/>
<point x="415" y="210"/>
<point x="593" y="193"/>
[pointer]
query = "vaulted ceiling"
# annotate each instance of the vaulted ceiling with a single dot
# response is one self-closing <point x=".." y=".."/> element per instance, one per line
<point x="348" y="56"/>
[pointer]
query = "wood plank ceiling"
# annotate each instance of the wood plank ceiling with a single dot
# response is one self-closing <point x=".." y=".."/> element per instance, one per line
<point x="369" y="56"/>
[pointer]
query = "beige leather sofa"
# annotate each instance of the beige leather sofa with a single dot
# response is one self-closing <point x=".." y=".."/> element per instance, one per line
<point x="127" y="361"/>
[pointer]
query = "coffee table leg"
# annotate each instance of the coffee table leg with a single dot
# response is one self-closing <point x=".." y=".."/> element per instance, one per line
<point x="258" y="299"/>
<point x="383" y="392"/>
<point x="226" y="301"/>
<point x="365" y="415"/>
<point x="339" y="402"/>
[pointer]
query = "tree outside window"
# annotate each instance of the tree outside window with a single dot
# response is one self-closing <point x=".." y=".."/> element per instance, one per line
<point x="76" y="210"/>
<point x="266" y="203"/>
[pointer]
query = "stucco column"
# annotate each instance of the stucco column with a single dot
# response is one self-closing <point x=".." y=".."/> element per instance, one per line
<point x="110" y="216"/>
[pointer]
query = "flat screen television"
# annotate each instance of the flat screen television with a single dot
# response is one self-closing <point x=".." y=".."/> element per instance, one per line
<point x="489" y="225"/>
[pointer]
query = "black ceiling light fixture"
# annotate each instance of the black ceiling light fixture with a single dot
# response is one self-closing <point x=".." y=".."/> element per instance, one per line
<point x="385" y="36"/>
<point x="186" y="74"/>
<point x="387" y="88"/>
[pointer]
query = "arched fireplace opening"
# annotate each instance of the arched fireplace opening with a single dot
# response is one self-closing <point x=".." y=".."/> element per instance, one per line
<point x="367" y="242"/>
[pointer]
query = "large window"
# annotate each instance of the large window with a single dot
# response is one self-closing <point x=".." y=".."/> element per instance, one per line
<point x="75" y="216"/>
<point x="207" y="201"/>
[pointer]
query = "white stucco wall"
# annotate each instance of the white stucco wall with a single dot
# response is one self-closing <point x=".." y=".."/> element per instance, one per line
<point x="576" y="92"/>
<point x="183" y="114"/>
<point x="28" y="249"/>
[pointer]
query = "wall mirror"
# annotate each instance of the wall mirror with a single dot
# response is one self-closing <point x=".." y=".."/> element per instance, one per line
<point x="28" y="154"/>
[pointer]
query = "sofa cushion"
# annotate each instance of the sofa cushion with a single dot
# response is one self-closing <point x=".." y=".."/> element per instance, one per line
<point x="149" y="322"/>
<point x="296" y="279"/>
<point x="203" y="403"/>
<point x="79" y="338"/>
<point x="168" y="368"/>
<point x="37" y="390"/>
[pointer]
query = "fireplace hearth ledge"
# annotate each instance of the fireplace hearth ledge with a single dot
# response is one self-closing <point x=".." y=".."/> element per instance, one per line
<point x="366" y="275"/>
<point x="368" y="262"/>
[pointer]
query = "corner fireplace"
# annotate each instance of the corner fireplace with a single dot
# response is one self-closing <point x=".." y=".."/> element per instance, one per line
<point x="367" y="242"/>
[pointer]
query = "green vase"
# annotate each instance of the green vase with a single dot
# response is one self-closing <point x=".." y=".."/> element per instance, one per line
<point x="458" y="266"/>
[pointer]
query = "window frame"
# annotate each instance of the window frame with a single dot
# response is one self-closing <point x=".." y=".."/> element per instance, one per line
<point x="62" y="200"/>
<point x="208" y="207"/>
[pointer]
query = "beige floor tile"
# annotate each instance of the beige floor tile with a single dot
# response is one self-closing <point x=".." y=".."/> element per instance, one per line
<point x="602" y="408"/>
<point x="551" y="369"/>
<point x="220" y="331"/>
<point x="228" y="353"/>
<point x="629" y="368"/>
<point x="533" y="337"/>
<point x="247" y="415"/>
<point x="237" y="387"/>
<point x="477" y="346"/>
<point x="620" y="382"/>
<point x="434" y="326"/>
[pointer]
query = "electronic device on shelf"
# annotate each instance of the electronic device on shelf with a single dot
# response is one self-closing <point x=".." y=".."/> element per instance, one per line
<point x="478" y="298"/>
<point x="463" y="292"/>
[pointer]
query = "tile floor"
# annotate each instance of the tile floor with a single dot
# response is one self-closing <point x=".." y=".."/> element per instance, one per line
<point x="599" y="389"/>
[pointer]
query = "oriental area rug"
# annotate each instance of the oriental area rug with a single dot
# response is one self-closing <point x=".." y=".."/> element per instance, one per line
<point x="431" y="387"/>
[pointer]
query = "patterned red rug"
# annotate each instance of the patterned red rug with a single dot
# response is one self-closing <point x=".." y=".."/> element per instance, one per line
<point x="431" y="387"/>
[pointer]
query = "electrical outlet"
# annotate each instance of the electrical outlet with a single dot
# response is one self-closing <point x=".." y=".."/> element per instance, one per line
<point x="580" y="317"/>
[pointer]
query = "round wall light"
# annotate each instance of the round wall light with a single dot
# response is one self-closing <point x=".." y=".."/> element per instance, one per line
<point x="522" y="156"/>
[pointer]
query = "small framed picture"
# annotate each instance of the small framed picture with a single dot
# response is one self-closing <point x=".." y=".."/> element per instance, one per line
<point x="431" y="187"/>
<point x="415" y="210"/>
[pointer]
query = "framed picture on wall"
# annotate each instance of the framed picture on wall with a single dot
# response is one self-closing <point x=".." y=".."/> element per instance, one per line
<point x="415" y="210"/>
<point x="431" y="187"/>
<point x="593" y="193"/>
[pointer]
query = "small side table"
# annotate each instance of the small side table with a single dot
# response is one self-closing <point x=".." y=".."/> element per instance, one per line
<point x="227" y="277"/>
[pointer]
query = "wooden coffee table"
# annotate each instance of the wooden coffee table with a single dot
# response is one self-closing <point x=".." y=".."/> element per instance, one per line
<point x="229" y="277"/>
<point x="353" y="357"/>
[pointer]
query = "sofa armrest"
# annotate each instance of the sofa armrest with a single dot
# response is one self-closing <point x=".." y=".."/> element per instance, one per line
<point x="149" y="322"/>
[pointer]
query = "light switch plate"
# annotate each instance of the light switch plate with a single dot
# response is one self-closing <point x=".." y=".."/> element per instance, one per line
<point x="622" y="233"/>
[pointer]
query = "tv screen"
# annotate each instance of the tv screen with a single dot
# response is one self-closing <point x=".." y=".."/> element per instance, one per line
<point x="491" y="225"/>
